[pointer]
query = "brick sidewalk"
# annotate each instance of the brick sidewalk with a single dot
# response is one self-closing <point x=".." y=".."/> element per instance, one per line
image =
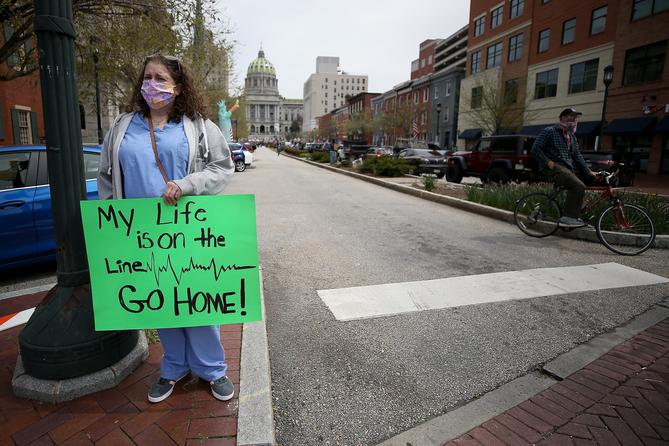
<point x="621" y="398"/>
<point x="121" y="415"/>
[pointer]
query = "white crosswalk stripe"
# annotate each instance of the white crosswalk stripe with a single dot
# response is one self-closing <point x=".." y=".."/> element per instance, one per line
<point x="394" y="298"/>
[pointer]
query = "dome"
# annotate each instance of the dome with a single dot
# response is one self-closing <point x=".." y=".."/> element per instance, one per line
<point x="261" y="65"/>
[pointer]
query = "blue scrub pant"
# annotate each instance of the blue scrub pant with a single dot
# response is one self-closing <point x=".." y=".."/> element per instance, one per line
<point x="194" y="348"/>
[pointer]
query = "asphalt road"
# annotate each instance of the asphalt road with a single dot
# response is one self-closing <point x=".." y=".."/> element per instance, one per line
<point x="361" y="382"/>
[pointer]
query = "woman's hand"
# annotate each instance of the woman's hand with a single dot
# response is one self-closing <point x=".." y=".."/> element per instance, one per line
<point x="171" y="193"/>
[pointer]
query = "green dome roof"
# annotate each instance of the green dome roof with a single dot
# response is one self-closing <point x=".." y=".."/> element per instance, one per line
<point x="261" y="65"/>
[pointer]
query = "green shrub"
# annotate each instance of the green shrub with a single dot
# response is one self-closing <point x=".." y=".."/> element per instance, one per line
<point x="320" y="157"/>
<point x="504" y="196"/>
<point x="429" y="181"/>
<point x="345" y="163"/>
<point x="292" y="151"/>
<point x="386" y="166"/>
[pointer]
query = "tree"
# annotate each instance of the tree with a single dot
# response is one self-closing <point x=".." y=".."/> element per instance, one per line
<point x="494" y="109"/>
<point x="359" y="126"/>
<point x="296" y="127"/>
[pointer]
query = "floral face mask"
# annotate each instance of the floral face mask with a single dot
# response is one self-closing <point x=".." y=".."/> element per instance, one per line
<point x="158" y="95"/>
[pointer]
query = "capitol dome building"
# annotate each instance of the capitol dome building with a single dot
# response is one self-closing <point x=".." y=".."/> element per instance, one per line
<point x="269" y="115"/>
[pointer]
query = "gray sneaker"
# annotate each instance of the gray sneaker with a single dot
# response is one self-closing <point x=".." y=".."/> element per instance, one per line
<point x="162" y="389"/>
<point x="570" y="222"/>
<point x="222" y="389"/>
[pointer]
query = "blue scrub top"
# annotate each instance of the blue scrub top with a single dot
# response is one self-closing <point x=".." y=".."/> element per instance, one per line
<point x="141" y="175"/>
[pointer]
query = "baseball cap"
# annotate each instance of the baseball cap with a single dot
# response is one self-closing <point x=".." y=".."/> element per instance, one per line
<point x="569" y="111"/>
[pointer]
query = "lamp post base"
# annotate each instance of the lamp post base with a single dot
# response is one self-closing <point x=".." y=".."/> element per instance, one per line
<point x="58" y="391"/>
<point x="60" y="341"/>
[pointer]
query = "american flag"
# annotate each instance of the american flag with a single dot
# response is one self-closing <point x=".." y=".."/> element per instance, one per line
<point x="414" y="128"/>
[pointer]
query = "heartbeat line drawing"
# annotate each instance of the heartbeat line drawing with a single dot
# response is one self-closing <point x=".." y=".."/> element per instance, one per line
<point x="192" y="265"/>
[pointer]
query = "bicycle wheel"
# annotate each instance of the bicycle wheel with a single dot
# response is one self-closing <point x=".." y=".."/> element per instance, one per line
<point x="626" y="229"/>
<point x="537" y="215"/>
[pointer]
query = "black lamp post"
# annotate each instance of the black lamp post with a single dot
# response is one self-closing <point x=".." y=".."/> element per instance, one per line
<point x="60" y="341"/>
<point x="438" y="123"/>
<point x="94" y="41"/>
<point x="608" y="78"/>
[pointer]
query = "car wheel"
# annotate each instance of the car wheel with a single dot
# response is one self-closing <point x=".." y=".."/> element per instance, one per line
<point x="454" y="174"/>
<point x="498" y="175"/>
<point x="240" y="166"/>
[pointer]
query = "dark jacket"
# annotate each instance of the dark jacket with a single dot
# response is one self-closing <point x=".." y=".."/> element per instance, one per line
<point x="552" y="145"/>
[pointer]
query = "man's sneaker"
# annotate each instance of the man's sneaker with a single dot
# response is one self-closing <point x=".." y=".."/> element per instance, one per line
<point x="570" y="222"/>
<point x="222" y="389"/>
<point x="162" y="389"/>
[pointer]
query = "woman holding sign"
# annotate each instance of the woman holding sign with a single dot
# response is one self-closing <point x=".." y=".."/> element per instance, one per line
<point x="165" y="147"/>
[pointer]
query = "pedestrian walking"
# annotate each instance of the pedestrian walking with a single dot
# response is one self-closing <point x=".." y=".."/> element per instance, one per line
<point x="164" y="146"/>
<point x="278" y="148"/>
<point x="332" y="152"/>
<point x="557" y="153"/>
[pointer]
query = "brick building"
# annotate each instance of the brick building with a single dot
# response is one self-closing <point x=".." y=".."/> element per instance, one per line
<point x="21" y="111"/>
<point x="547" y="55"/>
<point x="426" y="58"/>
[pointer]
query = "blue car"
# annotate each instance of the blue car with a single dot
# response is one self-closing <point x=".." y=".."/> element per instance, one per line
<point x="26" y="223"/>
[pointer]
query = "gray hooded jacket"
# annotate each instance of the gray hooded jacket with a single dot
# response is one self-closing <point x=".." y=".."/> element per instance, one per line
<point x="209" y="162"/>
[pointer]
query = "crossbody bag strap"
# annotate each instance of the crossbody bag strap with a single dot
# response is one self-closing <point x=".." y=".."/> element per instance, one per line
<point x="155" y="152"/>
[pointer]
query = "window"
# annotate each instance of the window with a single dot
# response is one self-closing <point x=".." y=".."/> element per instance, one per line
<point x="24" y="129"/>
<point x="422" y="63"/>
<point x="544" y="40"/>
<point x="448" y="88"/>
<point x="517" y="8"/>
<point x="515" y="47"/>
<point x="546" y="86"/>
<point x="479" y="26"/>
<point x="423" y="118"/>
<point x="477" y="97"/>
<point x="415" y="97"/>
<point x="644" y="8"/>
<point x="426" y="94"/>
<point x="511" y="91"/>
<point x="494" y="55"/>
<point x="598" y="20"/>
<point x="429" y="59"/>
<point x="496" y="17"/>
<point x="476" y="62"/>
<point x="14" y="168"/>
<point x="446" y="114"/>
<point x="644" y="64"/>
<point x="568" y="31"/>
<point x="436" y="92"/>
<point x="583" y="76"/>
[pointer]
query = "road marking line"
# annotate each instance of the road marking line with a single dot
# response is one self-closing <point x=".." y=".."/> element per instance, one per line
<point x="393" y="298"/>
<point x="12" y="320"/>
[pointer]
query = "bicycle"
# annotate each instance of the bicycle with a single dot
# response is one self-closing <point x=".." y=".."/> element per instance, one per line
<point x="626" y="229"/>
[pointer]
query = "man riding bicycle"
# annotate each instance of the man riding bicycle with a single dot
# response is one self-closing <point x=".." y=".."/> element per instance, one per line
<point x="557" y="153"/>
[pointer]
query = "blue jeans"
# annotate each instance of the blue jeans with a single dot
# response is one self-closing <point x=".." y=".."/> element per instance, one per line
<point x="333" y="157"/>
<point x="194" y="348"/>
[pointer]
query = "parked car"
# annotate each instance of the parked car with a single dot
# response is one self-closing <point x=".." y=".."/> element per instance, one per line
<point x="425" y="161"/>
<point x="26" y="223"/>
<point x="498" y="159"/>
<point x="606" y="161"/>
<point x="242" y="157"/>
<point x="313" y="147"/>
<point x="376" y="152"/>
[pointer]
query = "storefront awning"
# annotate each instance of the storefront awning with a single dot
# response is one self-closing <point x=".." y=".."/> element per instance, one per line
<point x="629" y="126"/>
<point x="470" y="134"/>
<point x="587" y="129"/>
<point x="533" y="129"/>
<point x="662" y="126"/>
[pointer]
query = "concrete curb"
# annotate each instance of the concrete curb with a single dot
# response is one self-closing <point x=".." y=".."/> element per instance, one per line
<point x="453" y="424"/>
<point x="586" y="234"/>
<point x="255" y="421"/>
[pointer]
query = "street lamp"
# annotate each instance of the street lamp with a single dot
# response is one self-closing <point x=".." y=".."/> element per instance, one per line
<point x="438" y="123"/>
<point x="94" y="41"/>
<point x="608" y="78"/>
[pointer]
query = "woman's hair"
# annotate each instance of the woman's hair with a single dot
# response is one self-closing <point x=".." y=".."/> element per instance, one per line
<point x="189" y="102"/>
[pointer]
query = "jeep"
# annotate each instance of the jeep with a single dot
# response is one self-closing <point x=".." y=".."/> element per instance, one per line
<point x="498" y="159"/>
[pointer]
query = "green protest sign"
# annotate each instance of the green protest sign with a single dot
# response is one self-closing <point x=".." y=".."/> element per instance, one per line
<point x="153" y="265"/>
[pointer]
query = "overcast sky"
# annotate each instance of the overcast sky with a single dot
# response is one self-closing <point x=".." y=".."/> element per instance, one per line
<point x="378" y="38"/>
